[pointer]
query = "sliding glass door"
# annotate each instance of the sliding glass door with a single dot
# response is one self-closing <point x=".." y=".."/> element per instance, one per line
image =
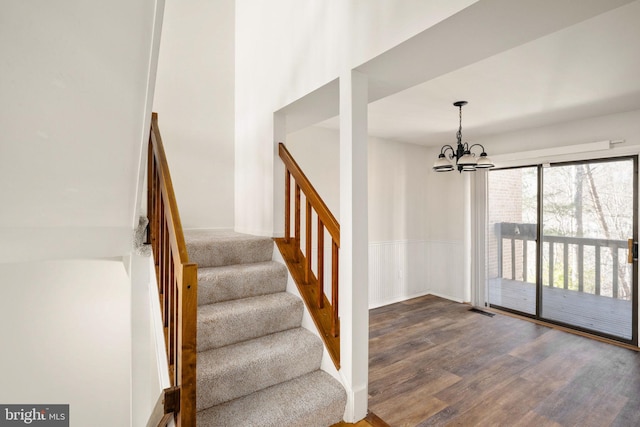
<point x="577" y="268"/>
<point x="588" y="218"/>
<point x="511" y="238"/>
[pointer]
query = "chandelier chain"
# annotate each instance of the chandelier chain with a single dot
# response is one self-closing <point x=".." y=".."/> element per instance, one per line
<point x="459" y="134"/>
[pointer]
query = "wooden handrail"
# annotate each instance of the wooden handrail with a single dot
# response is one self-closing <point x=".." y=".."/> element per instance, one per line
<point x="329" y="221"/>
<point x="311" y="286"/>
<point x="177" y="282"/>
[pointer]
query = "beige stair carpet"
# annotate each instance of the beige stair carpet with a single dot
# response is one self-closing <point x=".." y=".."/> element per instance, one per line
<point x="256" y="365"/>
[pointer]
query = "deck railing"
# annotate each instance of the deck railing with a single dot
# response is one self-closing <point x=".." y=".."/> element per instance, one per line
<point x="177" y="284"/>
<point x="509" y="233"/>
<point x="311" y="285"/>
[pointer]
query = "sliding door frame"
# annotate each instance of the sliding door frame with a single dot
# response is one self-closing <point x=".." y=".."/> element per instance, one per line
<point x="539" y="248"/>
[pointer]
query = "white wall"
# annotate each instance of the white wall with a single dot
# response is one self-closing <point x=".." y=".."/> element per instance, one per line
<point x="309" y="44"/>
<point x="194" y="100"/>
<point x="66" y="338"/>
<point x="416" y="232"/>
<point x="74" y="96"/>
<point x="317" y="152"/>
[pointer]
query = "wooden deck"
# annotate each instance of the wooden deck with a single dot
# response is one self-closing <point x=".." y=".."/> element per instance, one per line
<point x="597" y="313"/>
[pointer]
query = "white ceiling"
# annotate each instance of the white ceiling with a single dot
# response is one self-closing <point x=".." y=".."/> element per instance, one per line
<point x="588" y="69"/>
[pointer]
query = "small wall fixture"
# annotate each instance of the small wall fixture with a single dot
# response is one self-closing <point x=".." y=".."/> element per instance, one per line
<point x="465" y="159"/>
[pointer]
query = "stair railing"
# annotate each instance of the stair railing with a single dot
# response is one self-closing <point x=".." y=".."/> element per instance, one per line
<point x="311" y="285"/>
<point x="177" y="285"/>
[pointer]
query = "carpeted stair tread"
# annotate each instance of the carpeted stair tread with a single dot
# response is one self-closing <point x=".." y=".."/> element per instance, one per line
<point x="256" y="365"/>
<point x="229" y="322"/>
<point x="230" y="372"/>
<point x="312" y="400"/>
<point x="225" y="283"/>
<point x="215" y="248"/>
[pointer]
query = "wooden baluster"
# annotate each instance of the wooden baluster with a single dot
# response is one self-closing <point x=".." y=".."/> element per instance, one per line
<point x="173" y="301"/>
<point x="154" y="213"/>
<point x="597" y="269"/>
<point x="175" y="319"/>
<point x="161" y="254"/>
<point x="524" y="259"/>
<point x="157" y="214"/>
<point x="335" y="326"/>
<point x="320" y="288"/>
<point x="551" y="264"/>
<point x="165" y="274"/>
<point x="308" y="254"/>
<point x="159" y="211"/>
<point x="297" y="223"/>
<point x="500" y="249"/>
<point x="565" y="261"/>
<point x="287" y="206"/>
<point x="580" y="267"/>
<point x="614" y="253"/>
<point x="513" y="258"/>
<point x="149" y="188"/>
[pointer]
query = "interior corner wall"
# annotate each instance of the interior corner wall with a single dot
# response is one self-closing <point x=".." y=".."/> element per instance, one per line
<point x="194" y="99"/>
<point x="415" y="215"/>
<point x="286" y="49"/>
<point x="64" y="345"/>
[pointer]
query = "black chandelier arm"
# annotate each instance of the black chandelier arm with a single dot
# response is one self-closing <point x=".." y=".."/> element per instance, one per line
<point x="478" y="145"/>
<point x="444" y="149"/>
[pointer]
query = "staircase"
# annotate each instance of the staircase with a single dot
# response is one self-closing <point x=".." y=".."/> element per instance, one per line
<point x="256" y="365"/>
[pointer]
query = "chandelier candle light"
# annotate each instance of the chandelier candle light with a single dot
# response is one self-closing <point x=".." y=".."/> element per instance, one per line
<point x="465" y="159"/>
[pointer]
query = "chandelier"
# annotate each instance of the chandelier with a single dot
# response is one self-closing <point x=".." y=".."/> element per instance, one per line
<point x="465" y="159"/>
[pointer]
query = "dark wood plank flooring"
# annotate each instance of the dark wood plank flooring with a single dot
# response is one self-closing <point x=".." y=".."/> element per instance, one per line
<point x="433" y="362"/>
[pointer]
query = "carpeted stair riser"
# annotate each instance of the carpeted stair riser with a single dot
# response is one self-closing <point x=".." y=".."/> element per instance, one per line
<point x="235" y="321"/>
<point x="227" y="249"/>
<point x="323" y="405"/>
<point x="234" y="371"/>
<point x="217" y="284"/>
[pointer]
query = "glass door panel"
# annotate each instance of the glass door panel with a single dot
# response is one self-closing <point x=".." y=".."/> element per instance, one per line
<point x="588" y="217"/>
<point x="511" y="238"/>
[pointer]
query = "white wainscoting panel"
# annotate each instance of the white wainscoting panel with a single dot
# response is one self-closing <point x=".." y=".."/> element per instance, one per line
<point x="404" y="269"/>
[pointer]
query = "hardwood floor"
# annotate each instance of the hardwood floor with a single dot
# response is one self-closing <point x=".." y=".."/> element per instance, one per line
<point x="433" y="362"/>
<point x="371" y="420"/>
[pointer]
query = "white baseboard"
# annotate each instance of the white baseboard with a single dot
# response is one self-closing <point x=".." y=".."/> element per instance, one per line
<point x="398" y="299"/>
<point x="449" y="297"/>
